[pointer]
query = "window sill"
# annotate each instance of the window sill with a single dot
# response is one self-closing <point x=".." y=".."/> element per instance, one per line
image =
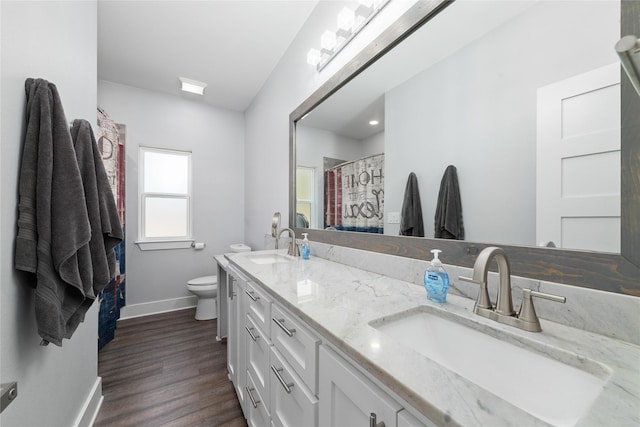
<point x="151" y="245"/>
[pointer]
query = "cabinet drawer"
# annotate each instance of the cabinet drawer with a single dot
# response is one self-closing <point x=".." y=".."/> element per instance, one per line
<point x="292" y="404"/>
<point x="297" y="345"/>
<point x="258" y="412"/>
<point x="258" y="346"/>
<point x="258" y="306"/>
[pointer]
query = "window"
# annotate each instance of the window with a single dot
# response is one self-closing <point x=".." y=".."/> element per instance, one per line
<point x="305" y="196"/>
<point x="164" y="190"/>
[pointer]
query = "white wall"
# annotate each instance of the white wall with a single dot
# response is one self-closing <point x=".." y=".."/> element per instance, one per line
<point x="267" y="128"/>
<point x="484" y="122"/>
<point x="55" y="41"/>
<point x="216" y="139"/>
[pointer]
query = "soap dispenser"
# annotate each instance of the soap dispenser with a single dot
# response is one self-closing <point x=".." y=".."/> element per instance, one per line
<point x="436" y="280"/>
<point x="304" y="248"/>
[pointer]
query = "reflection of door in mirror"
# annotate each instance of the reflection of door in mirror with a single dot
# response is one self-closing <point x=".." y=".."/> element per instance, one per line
<point x="578" y="162"/>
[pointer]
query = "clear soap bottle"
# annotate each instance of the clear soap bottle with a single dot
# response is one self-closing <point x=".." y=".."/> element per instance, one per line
<point x="436" y="280"/>
<point x="305" y="252"/>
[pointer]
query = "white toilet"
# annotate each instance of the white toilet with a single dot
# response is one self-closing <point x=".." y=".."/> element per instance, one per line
<point x="206" y="289"/>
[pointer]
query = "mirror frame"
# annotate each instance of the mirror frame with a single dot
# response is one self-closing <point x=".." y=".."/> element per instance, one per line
<point x="619" y="273"/>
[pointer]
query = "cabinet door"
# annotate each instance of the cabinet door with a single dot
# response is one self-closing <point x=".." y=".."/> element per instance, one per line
<point x="297" y="344"/>
<point x="257" y="411"/>
<point x="258" y="346"/>
<point x="348" y="398"/>
<point x="238" y="369"/>
<point x="292" y="404"/>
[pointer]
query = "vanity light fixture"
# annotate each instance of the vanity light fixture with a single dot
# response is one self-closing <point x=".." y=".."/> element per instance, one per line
<point x="192" y="86"/>
<point x="349" y="23"/>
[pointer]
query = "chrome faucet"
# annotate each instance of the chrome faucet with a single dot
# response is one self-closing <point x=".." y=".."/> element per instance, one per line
<point x="293" y="247"/>
<point x="503" y="312"/>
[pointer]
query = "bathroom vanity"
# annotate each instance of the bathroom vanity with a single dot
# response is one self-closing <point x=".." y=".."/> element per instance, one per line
<point x="321" y="342"/>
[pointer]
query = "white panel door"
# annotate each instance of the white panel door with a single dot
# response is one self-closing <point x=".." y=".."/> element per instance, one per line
<point x="578" y="162"/>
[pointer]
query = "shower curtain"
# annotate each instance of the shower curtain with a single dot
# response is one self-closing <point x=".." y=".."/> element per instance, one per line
<point x="354" y="195"/>
<point x="111" y="140"/>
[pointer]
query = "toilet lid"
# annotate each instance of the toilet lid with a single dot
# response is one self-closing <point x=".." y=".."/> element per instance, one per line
<point x="206" y="280"/>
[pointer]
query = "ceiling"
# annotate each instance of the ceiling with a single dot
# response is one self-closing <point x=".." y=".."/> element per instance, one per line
<point x="231" y="45"/>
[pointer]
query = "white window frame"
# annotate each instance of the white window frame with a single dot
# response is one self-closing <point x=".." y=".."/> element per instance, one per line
<point x="158" y="243"/>
<point x="313" y="202"/>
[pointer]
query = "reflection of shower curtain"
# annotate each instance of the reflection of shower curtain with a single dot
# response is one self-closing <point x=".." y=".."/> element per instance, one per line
<point x="354" y="195"/>
<point x="111" y="139"/>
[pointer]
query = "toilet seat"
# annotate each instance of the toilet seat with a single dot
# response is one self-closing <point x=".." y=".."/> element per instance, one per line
<point x="203" y="281"/>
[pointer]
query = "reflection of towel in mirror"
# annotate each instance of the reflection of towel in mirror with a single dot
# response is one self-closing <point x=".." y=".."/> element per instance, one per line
<point x="448" y="220"/>
<point x="53" y="228"/>
<point x="411" y="223"/>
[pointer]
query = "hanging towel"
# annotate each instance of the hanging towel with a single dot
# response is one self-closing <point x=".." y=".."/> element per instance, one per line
<point x="106" y="231"/>
<point x="53" y="226"/>
<point x="411" y="223"/>
<point x="448" y="220"/>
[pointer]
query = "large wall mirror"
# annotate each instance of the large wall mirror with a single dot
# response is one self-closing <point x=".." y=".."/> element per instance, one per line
<point x="527" y="101"/>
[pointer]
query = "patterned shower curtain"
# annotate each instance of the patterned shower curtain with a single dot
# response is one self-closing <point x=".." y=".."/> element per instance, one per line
<point x="111" y="140"/>
<point x="354" y="195"/>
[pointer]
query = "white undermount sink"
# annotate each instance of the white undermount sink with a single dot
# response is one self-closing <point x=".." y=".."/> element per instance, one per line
<point x="272" y="258"/>
<point x="555" y="392"/>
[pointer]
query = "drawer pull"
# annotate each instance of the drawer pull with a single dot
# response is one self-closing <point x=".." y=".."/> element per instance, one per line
<point x="287" y="387"/>
<point x="280" y="322"/>
<point x="253" y="337"/>
<point x="373" y="422"/>
<point x="254" y="402"/>
<point x="252" y="296"/>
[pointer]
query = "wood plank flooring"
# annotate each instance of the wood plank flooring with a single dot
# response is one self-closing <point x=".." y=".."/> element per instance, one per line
<point x="167" y="370"/>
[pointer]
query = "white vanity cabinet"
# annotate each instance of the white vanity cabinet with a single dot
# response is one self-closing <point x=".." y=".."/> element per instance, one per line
<point x="348" y="398"/>
<point x="285" y="376"/>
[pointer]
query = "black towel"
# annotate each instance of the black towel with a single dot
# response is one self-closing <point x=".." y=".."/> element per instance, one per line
<point x="448" y="220"/>
<point x="411" y="223"/>
<point x="53" y="228"/>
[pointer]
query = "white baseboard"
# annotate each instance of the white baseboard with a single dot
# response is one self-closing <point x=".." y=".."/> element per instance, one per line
<point x="155" y="307"/>
<point x="91" y="407"/>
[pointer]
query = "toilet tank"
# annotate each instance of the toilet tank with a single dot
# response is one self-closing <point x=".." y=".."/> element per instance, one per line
<point x="240" y="247"/>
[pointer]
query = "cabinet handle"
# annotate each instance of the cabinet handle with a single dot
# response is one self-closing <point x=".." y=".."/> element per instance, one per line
<point x="373" y="422"/>
<point x="287" y="387"/>
<point x="254" y="298"/>
<point x="280" y="322"/>
<point x="254" y="402"/>
<point x="253" y="337"/>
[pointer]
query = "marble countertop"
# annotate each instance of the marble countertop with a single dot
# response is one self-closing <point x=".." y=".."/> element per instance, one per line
<point x="340" y="302"/>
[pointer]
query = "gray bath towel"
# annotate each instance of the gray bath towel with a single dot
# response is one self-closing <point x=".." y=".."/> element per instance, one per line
<point x="53" y="226"/>
<point x="448" y="220"/>
<point x="106" y="231"/>
<point x="411" y="223"/>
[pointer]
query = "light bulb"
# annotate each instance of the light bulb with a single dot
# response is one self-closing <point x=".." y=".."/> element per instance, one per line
<point x="328" y="40"/>
<point x="346" y="19"/>
<point x="313" y="57"/>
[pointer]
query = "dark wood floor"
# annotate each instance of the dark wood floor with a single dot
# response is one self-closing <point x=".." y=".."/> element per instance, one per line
<point x="167" y="370"/>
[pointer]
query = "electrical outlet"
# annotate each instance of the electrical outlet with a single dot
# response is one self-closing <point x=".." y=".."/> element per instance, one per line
<point x="393" y="218"/>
